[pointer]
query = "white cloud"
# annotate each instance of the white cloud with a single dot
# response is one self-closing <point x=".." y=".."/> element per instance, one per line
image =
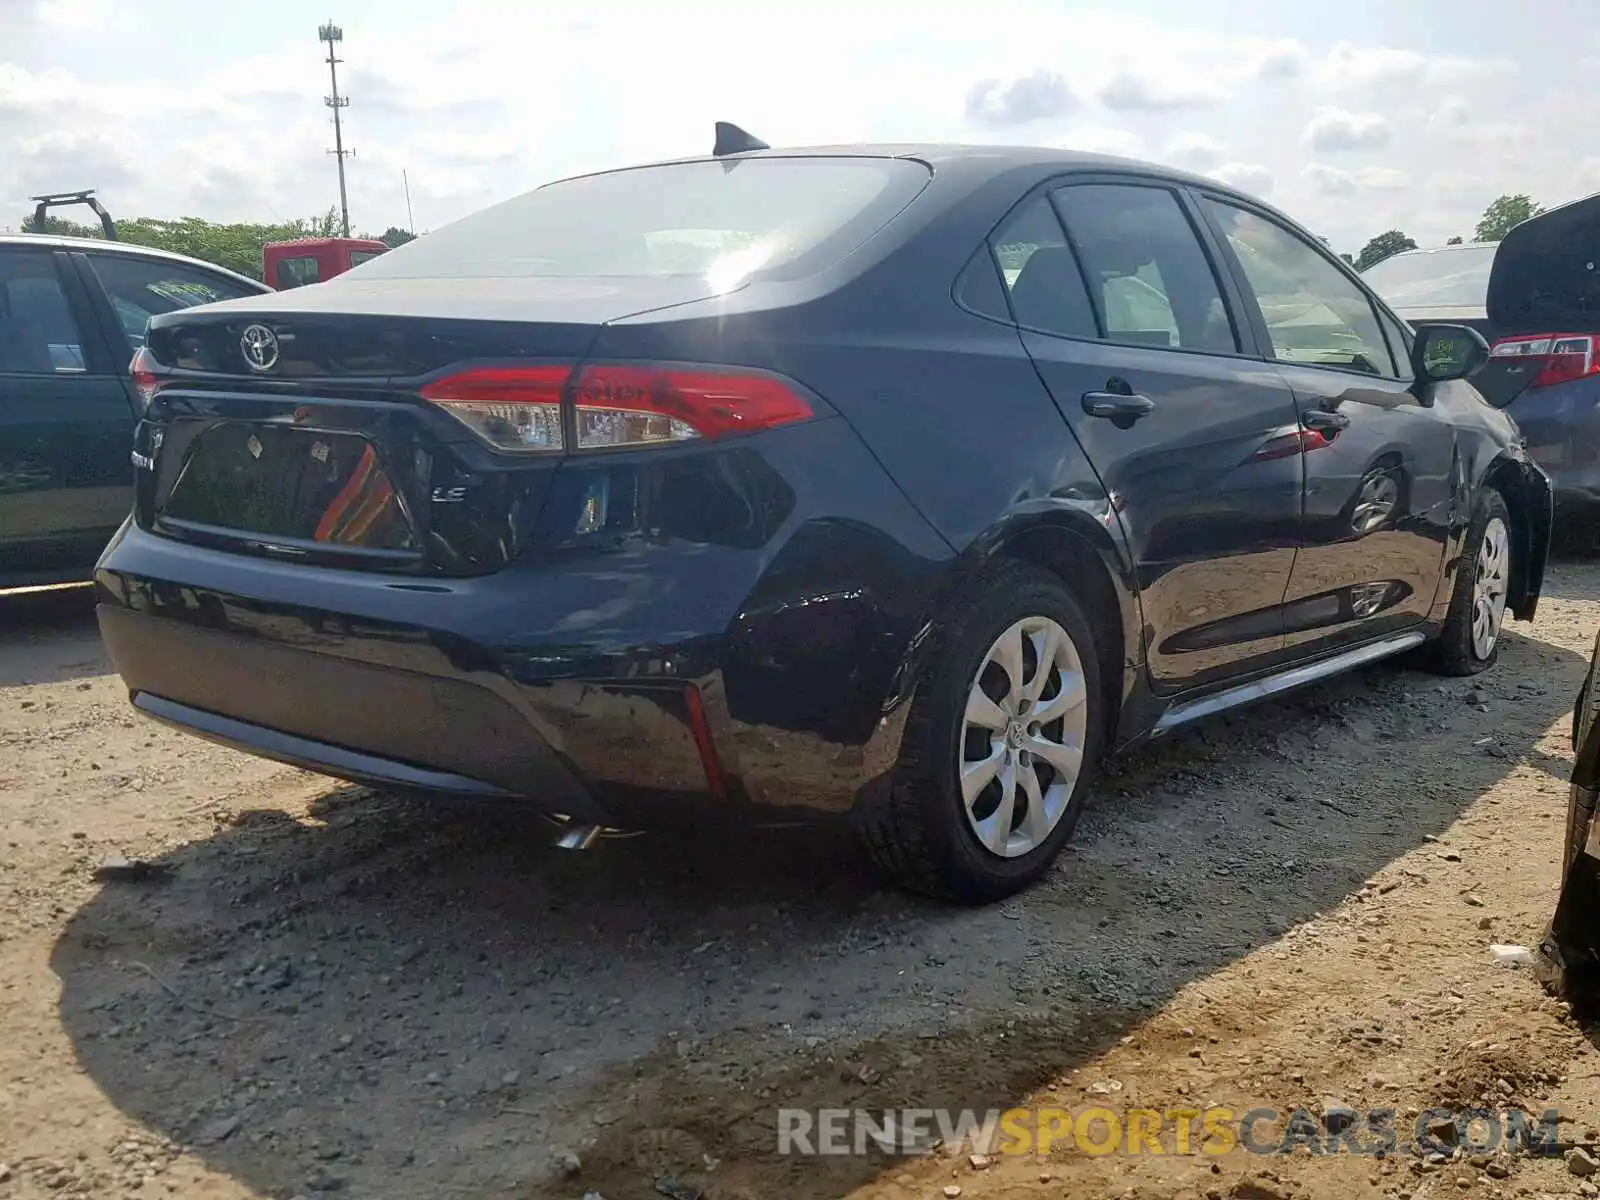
<point x="1452" y="113"/>
<point x="1348" y="66"/>
<point x="1160" y="90"/>
<point x="1195" y="151"/>
<point x="1281" y="59"/>
<point x="1250" y="178"/>
<point x="1036" y="96"/>
<point x="1337" y="181"/>
<point x="1104" y="140"/>
<point x="1335" y="129"/>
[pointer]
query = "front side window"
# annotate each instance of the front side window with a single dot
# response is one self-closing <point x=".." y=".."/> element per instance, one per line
<point x="1314" y="313"/>
<point x="38" y="333"/>
<point x="140" y="288"/>
<point x="1143" y="259"/>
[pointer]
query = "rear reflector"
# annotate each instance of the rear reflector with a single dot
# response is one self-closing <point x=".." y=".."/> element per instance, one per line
<point x="614" y="404"/>
<point x="1558" y="357"/>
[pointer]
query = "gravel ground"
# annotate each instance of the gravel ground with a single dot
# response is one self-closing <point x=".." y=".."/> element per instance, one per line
<point x="321" y="990"/>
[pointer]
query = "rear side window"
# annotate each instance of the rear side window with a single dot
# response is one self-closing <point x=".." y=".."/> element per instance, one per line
<point x="1314" y="312"/>
<point x="1041" y="274"/>
<point x="140" y="288"/>
<point x="357" y="257"/>
<point x="979" y="288"/>
<point x="38" y="333"/>
<point x="1149" y="274"/>
<point x="786" y="217"/>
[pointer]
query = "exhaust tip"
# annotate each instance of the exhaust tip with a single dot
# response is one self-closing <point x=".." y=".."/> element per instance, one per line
<point x="579" y="837"/>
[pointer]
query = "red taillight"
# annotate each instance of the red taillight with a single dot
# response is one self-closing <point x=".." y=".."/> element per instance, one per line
<point x="615" y="404"/>
<point x="143" y="371"/>
<point x="625" y="405"/>
<point x="1559" y="357"/>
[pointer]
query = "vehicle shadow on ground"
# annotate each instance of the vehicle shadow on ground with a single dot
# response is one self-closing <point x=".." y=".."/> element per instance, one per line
<point x="389" y="999"/>
<point x="49" y="637"/>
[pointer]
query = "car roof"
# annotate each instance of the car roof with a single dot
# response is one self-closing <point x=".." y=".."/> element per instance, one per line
<point x="979" y="158"/>
<point x="307" y="243"/>
<point x="57" y="242"/>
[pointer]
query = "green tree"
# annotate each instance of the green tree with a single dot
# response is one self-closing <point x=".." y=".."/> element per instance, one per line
<point x="60" y="227"/>
<point x="1382" y="247"/>
<point x="1455" y="241"/>
<point x="395" y="236"/>
<point x="1504" y="215"/>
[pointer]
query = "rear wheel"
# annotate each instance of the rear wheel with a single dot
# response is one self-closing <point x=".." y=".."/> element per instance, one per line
<point x="1470" y="641"/>
<point x="998" y="747"/>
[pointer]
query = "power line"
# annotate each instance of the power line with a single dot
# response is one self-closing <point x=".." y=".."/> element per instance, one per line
<point x="332" y="34"/>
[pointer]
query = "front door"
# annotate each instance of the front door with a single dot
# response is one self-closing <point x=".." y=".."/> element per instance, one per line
<point x="66" y="427"/>
<point x="1378" y="463"/>
<point x="1127" y="323"/>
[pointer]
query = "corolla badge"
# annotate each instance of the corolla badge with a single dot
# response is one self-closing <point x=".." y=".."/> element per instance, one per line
<point x="259" y="345"/>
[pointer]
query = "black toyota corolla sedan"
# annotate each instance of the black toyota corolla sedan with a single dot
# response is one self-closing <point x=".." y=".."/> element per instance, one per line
<point x="889" y="483"/>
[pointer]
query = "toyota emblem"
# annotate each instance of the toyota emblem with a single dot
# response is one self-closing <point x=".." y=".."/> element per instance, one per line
<point x="259" y="345"/>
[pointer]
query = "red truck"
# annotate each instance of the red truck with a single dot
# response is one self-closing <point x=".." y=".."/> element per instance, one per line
<point x="294" y="264"/>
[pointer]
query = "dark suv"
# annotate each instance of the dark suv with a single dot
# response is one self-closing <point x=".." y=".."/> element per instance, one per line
<point x="72" y="312"/>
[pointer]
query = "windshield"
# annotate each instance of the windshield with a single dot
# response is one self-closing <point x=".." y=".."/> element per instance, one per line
<point x="1454" y="278"/>
<point x="719" y="220"/>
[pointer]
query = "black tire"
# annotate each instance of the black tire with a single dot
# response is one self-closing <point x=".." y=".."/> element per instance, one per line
<point x="919" y="834"/>
<point x="1453" y="652"/>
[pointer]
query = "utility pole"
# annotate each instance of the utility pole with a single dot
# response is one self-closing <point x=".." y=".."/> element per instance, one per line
<point x="411" y="224"/>
<point x="332" y="34"/>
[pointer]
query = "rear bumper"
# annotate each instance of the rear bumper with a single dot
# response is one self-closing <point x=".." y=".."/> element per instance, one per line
<point x="665" y="681"/>
<point x="359" y="721"/>
<point x="1561" y="425"/>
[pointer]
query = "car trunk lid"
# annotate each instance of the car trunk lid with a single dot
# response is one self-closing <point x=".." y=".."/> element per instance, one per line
<point x="1544" y="303"/>
<point x="296" y="425"/>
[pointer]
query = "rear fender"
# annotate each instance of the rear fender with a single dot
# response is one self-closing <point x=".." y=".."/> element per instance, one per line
<point x="1072" y="543"/>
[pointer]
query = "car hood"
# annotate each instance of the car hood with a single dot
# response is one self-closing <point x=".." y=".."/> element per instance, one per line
<point x="1546" y="273"/>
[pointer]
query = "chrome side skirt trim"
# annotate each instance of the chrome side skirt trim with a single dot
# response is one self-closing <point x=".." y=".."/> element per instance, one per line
<point x="1260" y="689"/>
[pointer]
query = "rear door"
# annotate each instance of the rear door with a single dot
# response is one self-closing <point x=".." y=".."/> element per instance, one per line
<point x="65" y="423"/>
<point x="1131" y="330"/>
<point x="1378" y="463"/>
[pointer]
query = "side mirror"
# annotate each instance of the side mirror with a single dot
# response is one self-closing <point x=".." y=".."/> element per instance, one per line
<point x="1444" y="352"/>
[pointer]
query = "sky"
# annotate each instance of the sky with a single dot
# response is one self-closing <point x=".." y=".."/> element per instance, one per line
<point x="1354" y="117"/>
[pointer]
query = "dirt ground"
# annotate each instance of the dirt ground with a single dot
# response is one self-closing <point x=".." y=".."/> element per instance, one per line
<point x="320" y="991"/>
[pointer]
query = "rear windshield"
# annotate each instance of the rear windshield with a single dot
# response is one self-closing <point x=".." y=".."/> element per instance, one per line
<point x="1438" y="278"/>
<point x="783" y="216"/>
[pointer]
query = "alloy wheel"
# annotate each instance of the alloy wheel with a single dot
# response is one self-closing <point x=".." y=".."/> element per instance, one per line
<point x="1023" y="736"/>
<point x="1489" y="587"/>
